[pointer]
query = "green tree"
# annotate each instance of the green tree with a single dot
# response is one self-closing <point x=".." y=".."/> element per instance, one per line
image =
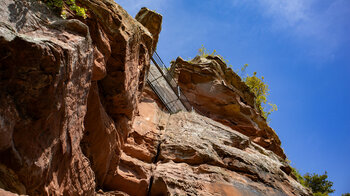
<point x="319" y="184"/>
<point x="345" y="194"/>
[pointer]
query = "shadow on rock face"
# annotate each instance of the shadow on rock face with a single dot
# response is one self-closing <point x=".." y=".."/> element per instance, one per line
<point x="18" y="14"/>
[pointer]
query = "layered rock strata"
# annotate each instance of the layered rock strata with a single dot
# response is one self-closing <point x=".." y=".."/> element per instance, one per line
<point x="69" y="91"/>
<point x="77" y="118"/>
<point x="189" y="154"/>
<point x="217" y="92"/>
<point x="199" y="156"/>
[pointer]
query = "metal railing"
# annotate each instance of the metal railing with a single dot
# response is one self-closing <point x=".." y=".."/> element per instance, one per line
<point x="165" y="87"/>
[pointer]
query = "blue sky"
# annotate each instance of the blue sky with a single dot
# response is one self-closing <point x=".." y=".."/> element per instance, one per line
<point x="301" y="47"/>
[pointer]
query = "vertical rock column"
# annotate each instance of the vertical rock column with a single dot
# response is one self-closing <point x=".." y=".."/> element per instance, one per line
<point x="45" y="75"/>
<point x="130" y="171"/>
<point x="122" y="50"/>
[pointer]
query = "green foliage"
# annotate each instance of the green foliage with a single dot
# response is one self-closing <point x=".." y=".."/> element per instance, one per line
<point x="54" y="4"/>
<point x="243" y="68"/>
<point x="299" y="177"/>
<point x="203" y="52"/>
<point x="78" y="10"/>
<point x="261" y="91"/>
<point x="345" y="194"/>
<point x="58" y="5"/>
<point x="318" y="184"/>
<point x="320" y="194"/>
<point x="256" y="85"/>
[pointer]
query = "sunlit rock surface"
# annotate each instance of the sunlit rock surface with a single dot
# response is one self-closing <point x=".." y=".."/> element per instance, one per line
<point x="69" y="91"/>
<point x="77" y="118"/>
<point x="218" y="93"/>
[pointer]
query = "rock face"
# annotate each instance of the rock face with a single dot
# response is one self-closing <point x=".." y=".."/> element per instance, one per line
<point x="77" y="118"/>
<point x="152" y="21"/>
<point x="45" y="77"/>
<point x="218" y="93"/>
<point x="199" y="156"/>
<point x="190" y="154"/>
<point x="69" y="90"/>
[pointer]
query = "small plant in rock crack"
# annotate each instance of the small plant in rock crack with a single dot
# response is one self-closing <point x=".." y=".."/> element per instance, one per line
<point x="203" y="52"/>
<point x="59" y="6"/>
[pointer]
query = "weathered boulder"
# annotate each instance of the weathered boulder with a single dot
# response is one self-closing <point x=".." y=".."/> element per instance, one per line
<point x="218" y="93"/>
<point x="152" y="21"/>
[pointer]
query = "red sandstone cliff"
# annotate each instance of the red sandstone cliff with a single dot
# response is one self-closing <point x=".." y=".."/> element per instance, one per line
<point x="77" y="119"/>
<point x="69" y="90"/>
<point x="219" y="93"/>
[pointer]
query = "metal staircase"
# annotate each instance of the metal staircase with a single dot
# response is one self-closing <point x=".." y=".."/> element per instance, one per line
<point x="165" y="87"/>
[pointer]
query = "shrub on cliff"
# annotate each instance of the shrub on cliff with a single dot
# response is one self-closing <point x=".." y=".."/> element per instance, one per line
<point x="319" y="184"/>
<point x="59" y="6"/>
<point x="257" y="85"/>
<point x="298" y="176"/>
<point x="203" y="52"/>
<point x="261" y="91"/>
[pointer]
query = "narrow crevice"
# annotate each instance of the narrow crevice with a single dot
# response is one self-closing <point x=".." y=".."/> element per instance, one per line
<point x="155" y="158"/>
<point x="150" y="185"/>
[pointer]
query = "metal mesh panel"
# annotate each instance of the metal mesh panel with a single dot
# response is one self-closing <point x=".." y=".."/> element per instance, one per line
<point x="165" y="87"/>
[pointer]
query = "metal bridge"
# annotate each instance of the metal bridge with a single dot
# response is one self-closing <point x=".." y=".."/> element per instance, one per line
<point x="165" y="87"/>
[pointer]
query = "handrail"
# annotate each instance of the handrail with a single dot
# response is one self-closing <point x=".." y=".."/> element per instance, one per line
<point x="161" y="91"/>
<point x="173" y="84"/>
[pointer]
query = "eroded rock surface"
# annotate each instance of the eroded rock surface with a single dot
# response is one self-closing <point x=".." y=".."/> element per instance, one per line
<point x="45" y="76"/>
<point x="199" y="156"/>
<point x="218" y="93"/>
<point x="152" y="21"/>
<point x="140" y="150"/>
<point x="77" y="119"/>
<point x="190" y="154"/>
<point x="69" y="91"/>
